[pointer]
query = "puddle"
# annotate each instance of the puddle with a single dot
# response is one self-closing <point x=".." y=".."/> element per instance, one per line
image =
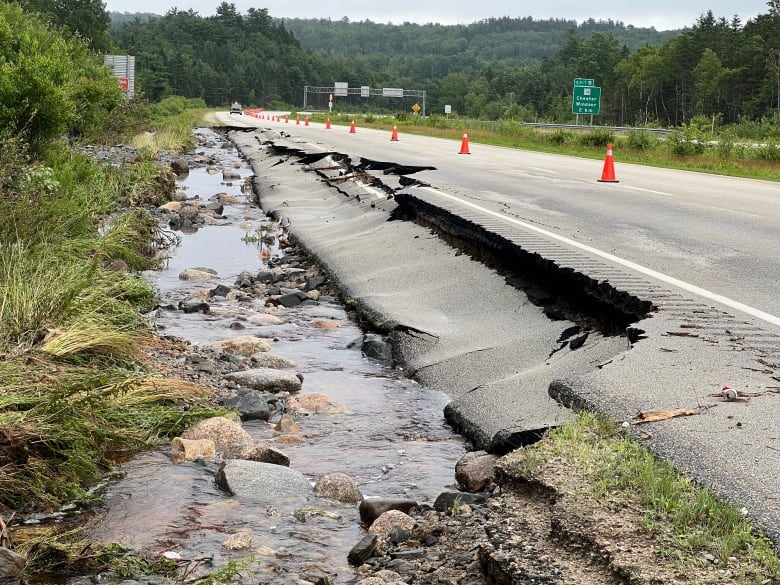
<point x="393" y="440"/>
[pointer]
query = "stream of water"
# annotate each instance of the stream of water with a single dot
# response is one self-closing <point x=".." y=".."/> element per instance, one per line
<point x="393" y="439"/>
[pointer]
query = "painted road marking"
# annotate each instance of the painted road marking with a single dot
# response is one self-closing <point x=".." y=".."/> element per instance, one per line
<point x="704" y="205"/>
<point x="691" y="288"/>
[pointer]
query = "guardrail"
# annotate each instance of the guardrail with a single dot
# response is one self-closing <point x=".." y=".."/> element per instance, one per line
<point x="613" y="128"/>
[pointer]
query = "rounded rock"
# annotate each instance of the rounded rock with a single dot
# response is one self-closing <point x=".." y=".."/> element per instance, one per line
<point x="387" y="522"/>
<point x="338" y="486"/>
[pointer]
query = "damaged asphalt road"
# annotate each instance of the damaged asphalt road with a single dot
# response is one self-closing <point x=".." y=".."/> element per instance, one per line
<point x="518" y="330"/>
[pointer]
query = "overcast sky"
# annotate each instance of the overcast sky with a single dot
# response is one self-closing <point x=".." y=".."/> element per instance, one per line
<point x="662" y="14"/>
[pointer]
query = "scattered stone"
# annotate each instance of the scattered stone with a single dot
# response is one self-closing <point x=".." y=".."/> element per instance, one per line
<point x="372" y="508"/>
<point x="11" y="564"/>
<point x="338" y="486"/>
<point x="228" y="436"/>
<point x="293" y="299"/>
<point x="325" y="324"/>
<point x="194" y="305"/>
<point x="307" y="401"/>
<point x="330" y="408"/>
<point x="251" y="404"/>
<point x="363" y="550"/>
<point x="219" y="291"/>
<point x="189" y="213"/>
<point x="287" y="425"/>
<point x="374" y="346"/>
<point x="230" y="175"/>
<point x="265" y="453"/>
<point x="265" y="276"/>
<point x="270" y="360"/>
<point x="262" y="481"/>
<point x="266" y="380"/>
<point x="192" y="449"/>
<point x="449" y="501"/>
<point x="264" y="319"/>
<point x="238" y="541"/>
<point x="171" y="206"/>
<point x="476" y="470"/>
<point x="180" y="166"/>
<point x="215" y="208"/>
<point x="199" y="274"/>
<point x="314" y="282"/>
<point x="245" y="345"/>
<point x="389" y="520"/>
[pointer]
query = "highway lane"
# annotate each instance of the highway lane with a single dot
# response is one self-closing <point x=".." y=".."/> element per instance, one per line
<point x="717" y="233"/>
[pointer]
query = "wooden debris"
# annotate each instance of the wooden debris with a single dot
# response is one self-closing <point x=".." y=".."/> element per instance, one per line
<point x="659" y="415"/>
<point x="681" y="334"/>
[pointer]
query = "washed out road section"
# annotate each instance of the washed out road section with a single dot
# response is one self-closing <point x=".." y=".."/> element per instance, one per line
<point x="459" y="327"/>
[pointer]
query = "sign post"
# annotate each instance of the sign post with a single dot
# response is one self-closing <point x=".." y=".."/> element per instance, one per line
<point x="586" y="98"/>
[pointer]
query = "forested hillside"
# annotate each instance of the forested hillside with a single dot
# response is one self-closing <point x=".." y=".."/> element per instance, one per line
<point x="493" y="40"/>
<point x="717" y="69"/>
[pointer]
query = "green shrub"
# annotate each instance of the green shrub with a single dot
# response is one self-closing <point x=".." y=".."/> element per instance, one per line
<point x="599" y="137"/>
<point x="641" y="140"/>
<point x="174" y="105"/>
<point x="769" y="152"/>
<point x="560" y="137"/>
<point x="685" y="144"/>
<point x="49" y="84"/>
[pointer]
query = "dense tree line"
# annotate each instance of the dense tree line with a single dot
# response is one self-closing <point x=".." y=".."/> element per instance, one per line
<point x="517" y="68"/>
<point x="228" y="56"/>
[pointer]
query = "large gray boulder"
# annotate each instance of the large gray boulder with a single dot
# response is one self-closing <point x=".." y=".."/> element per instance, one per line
<point x="266" y="380"/>
<point x="262" y="481"/>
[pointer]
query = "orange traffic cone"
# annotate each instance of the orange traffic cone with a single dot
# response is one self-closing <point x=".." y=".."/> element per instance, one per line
<point x="352" y="127"/>
<point x="297" y="120"/>
<point x="307" y="121"/>
<point x="286" y="119"/>
<point x="327" y="124"/>
<point x="394" y="137"/>
<point x="464" y="144"/>
<point x="608" y="174"/>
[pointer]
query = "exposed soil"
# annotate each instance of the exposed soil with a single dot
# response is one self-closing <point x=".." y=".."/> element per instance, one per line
<point x="541" y="531"/>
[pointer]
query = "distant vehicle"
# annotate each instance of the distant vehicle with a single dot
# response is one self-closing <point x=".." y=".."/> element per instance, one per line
<point x="235" y="108"/>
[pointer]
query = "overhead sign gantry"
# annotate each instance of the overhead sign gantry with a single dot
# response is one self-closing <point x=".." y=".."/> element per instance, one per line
<point x="342" y="89"/>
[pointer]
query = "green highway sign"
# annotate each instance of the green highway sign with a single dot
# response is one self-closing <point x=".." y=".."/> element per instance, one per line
<point x="587" y="97"/>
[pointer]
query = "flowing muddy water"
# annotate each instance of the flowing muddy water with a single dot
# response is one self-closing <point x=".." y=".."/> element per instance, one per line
<point x="393" y="440"/>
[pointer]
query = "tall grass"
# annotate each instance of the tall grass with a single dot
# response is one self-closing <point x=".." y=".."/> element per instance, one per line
<point x="77" y="394"/>
<point x="172" y="121"/>
<point x="36" y="290"/>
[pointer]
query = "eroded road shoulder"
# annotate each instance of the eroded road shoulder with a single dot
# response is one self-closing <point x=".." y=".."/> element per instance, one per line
<point x="495" y="342"/>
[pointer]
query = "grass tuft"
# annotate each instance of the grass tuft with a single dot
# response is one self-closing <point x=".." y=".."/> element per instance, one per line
<point x="598" y="463"/>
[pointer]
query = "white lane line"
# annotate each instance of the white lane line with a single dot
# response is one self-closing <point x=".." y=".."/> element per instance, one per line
<point x="691" y="288"/>
<point x="543" y="170"/>
<point x="664" y="193"/>
<point x="704" y="205"/>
